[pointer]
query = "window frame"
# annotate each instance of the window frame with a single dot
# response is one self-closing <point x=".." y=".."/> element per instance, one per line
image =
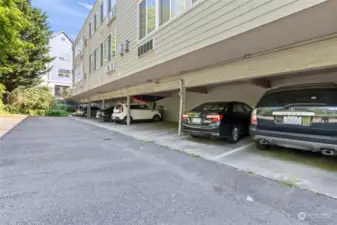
<point x="157" y="16"/>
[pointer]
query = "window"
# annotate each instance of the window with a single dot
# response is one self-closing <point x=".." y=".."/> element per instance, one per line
<point x="238" y="108"/>
<point x="101" y="54"/>
<point x="247" y="108"/>
<point x="90" y="63"/>
<point x="105" y="51"/>
<point x="102" y="12"/>
<point x="164" y="11"/>
<point x="209" y="107"/>
<point x="61" y="58"/>
<point x="63" y="39"/>
<point x="111" y="46"/>
<point x="90" y="31"/>
<point x="177" y="6"/>
<point x="149" y="14"/>
<point x="312" y="96"/>
<point x="96" y="58"/>
<point x="111" y="4"/>
<point x="142" y="19"/>
<point x="64" y="73"/>
<point x="95" y="21"/>
<point x="144" y="107"/>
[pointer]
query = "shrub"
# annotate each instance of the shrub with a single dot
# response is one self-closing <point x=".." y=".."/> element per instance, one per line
<point x="32" y="101"/>
<point x="57" y="112"/>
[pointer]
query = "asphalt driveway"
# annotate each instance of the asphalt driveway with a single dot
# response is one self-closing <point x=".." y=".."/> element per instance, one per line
<point x="61" y="171"/>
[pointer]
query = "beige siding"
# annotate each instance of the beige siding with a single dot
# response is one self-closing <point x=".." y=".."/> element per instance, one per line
<point x="203" y="24"/>
<point x="302" y="58"/>
<point x="207" y="23"/>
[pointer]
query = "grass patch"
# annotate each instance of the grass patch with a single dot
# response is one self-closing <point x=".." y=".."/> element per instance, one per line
<point x="149" y="142"/>
<point x="251" y="172"/>
<point x="288" y="183"/>
<point x="194" y="155"/>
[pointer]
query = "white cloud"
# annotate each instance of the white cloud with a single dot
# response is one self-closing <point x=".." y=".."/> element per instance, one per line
<point x="85" y="5"/>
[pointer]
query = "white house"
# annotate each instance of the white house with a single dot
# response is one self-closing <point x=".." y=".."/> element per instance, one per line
<point x="59" y="78"/>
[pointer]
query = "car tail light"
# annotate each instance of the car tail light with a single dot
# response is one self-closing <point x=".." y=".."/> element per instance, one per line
<point x="254" y="118"/>
<point x="214" y="118"/>
<point x="184" y="117"/>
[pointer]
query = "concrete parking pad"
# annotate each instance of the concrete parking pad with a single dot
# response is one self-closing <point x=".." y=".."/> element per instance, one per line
<point x="166" y="134"/>
<point x="292" y="167"/>
<point x="304" y="169"/>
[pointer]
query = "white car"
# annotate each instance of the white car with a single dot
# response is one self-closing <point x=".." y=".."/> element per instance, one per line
<point x="138" y="112"/>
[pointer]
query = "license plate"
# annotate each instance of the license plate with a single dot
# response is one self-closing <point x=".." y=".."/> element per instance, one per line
<point x="294" y="120"/>
<point x="196" y="120"/>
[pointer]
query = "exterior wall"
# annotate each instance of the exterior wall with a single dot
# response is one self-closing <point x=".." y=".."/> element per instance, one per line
<point x="199" y="25"/>
<point x="61" y="47"/>
<point x="247" y="93"/>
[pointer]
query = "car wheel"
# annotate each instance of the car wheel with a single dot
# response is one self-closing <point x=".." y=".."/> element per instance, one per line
<point x="261" y="146"/>
<point x="125" y="120"/>
<point x="235" y="135"/>
<point x="84" y="114"/>
<point x="156" y="118"/>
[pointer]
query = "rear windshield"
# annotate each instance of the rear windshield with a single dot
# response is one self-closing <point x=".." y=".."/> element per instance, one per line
<point x="118" y="107"/>
<point x="206" y="107"/>
<point x="312" y="96"/>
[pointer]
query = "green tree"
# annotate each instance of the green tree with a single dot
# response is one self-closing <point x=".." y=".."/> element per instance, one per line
<point x="12" y="23"/>
<point x="33" y="100"/>
<point x="26" y="68"/>
<point x="2" y="92"/>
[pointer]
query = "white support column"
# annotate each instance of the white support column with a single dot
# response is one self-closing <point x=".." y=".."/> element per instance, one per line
<point x="128" y="114"/>
<point x="103" y="104"/>
<point x="89" y="109"/>
<point x="182" y="95"/>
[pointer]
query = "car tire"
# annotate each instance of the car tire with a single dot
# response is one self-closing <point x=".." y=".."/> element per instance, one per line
<point x="261" y="146"/>
<point x="235" y="135"/>
<point x="84" y="114"/>
<point x="125" y="120"/>
<point x="156" y="118"/>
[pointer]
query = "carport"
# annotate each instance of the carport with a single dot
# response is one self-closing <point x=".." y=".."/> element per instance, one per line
<point x="244" y="79"/>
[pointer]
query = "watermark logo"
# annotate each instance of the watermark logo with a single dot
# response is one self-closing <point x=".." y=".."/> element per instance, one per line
<point x="301" y="216"/>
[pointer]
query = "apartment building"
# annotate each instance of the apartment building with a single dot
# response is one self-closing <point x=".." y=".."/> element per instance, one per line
<point x="59" y="78"/>
<point x="190" y="51"/>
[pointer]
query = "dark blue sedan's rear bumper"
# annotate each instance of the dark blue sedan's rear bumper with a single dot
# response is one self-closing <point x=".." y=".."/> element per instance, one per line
<point x="201" y="131"/>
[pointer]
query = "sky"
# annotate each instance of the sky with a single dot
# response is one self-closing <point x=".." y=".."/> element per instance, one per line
<point x="65" y="15"/>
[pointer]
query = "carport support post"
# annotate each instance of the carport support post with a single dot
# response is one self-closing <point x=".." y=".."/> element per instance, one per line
<point x="128" y="112"/>
<point x="89" y="109"/>
<point x="103" y="104"/>
<point x="182" y="94"/>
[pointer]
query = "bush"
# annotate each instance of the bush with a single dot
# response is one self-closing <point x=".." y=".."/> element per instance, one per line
<point x="32" y="101"/>
<point x="57" y="112"/>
